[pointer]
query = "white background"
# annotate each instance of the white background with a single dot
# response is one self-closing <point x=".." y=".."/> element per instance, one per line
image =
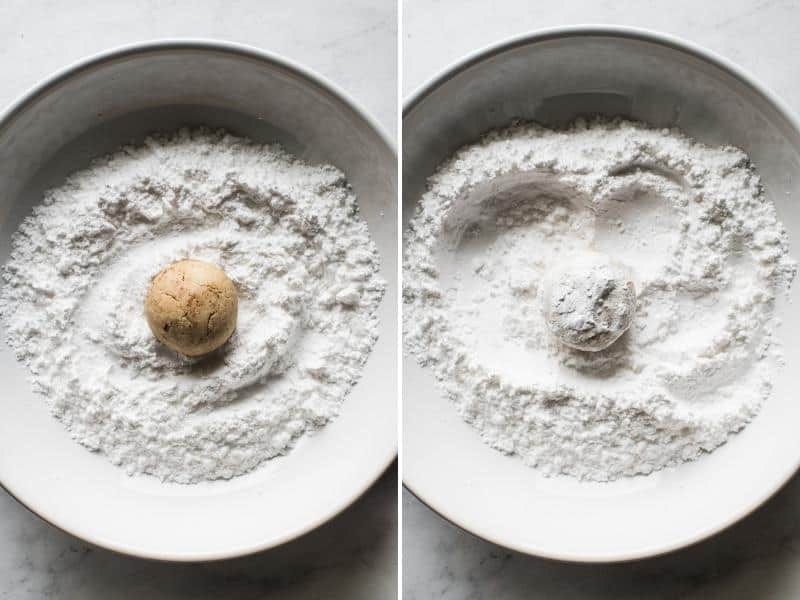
<point x="353" y="44"/>
<point x="756" y="559"/>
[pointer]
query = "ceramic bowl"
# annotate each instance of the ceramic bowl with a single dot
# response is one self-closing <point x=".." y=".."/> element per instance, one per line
<point x="552" y="77"/>
<point x="89" y="110"/>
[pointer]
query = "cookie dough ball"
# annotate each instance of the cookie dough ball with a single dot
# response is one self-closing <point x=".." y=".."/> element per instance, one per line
<point x="589" y="301"/>
<point x="191" y="307"/>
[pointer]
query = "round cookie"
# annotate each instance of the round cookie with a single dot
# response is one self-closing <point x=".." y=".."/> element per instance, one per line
<point x="192" y="306"/>
<point x="589" y="301"/>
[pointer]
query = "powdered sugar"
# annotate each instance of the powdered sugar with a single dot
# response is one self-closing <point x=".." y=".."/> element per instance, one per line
<point x="289" y="236"/>
<point x="707" y="256"/>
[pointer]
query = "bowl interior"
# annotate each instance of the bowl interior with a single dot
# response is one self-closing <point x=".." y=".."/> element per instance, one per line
<point x="553" y="78"/>
<point x="121" y="98"/>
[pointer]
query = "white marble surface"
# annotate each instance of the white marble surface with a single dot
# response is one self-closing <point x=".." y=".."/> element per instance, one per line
<point x="352" y="43"/>
<point x="756" y="559"/>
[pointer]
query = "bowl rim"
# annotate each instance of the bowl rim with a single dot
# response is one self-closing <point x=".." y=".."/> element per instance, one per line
<point x="628" y="33"/>
<point x="81" y="66"/>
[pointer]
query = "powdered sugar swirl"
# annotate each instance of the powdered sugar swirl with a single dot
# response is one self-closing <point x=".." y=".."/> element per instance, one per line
<point x="708" y="257"/>
<point x="289" y="236"/>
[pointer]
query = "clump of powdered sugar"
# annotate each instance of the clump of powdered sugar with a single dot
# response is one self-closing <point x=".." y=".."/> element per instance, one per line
<point x="289" y="236"/>
<point x="706" y="252"/>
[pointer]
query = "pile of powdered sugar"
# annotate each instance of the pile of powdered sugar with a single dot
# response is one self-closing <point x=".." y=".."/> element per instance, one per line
<point x="289" y="236"/>
<point x="708" y="257"/>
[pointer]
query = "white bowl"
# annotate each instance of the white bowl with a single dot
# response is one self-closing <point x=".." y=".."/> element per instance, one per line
<point x="89" y="110"/>
<point x="552" y="76"/>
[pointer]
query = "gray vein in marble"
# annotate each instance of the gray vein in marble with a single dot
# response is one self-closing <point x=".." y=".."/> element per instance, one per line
<point x="756" y="558"/>
<point x="352" y="557"/>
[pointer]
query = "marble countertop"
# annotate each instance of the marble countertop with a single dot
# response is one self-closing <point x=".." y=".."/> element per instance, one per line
<point x="352" y="43"/>
<point x="757" y="558"/>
